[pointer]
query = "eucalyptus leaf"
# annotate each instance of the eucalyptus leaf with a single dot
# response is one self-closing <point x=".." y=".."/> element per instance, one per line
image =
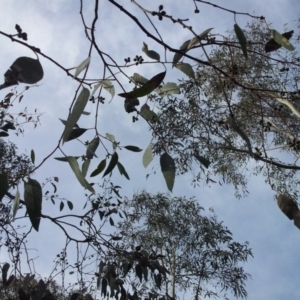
<point x="147" y="157"/>
<point x="112" y="138"/>
<point x="139" y="78"/>
<point x="148" y="114"/>
<point x="107" y="85"/>
<point x="3" y="185"/>
<point x="75" y="168"/>
<point x="280" y="39"/>
<point x="82" y="66"/>
<point x="85" y="166"/>
<point x="186" y="69"/>
<point x="168" y="169"/>
<point x="77" y="110"/>
<point x="242" y="39"/>
<point x="150" y="53"/>
<point x="65" y="123"/>
<point x="92" y="147"/>
<point x="204" y="161"/>
<point x="168" y="89"/>
<point x="76" y="133"/>
<point x="65" y="158"/>
<point x="100" y="168"/>
<point x="16" y="203"/>
<point x="32" y="156"/>
<point x="195" y="40"/>
<point x="113" y="162"/>
<point x="133" y="148"/>
<point x="146" y="88"/>
<point x="122" y="170"/>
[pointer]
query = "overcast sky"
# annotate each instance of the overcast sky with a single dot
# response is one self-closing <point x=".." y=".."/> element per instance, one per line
<point x="56" y="28"/>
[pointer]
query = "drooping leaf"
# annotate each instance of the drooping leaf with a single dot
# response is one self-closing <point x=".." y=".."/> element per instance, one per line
<point x="101" y="214"/>
<point x="146" y="88"/>
<point x="32" y="156"/>
<point x="33" y="201"/>
<point x="158" y="280"/>
<point x="139" y="79"/>
<point x="168" y="169"/>
<point x="16" y="203"/>
<point x="100" y="168"/>
<point x="148" y="114"/>
<point x="150" y="53"/>
<point x="281" y="40"/>
<point x="107" y="85"/>
<point x="111" y="221"/>
<point x="4" y="270"/>
<point x="195" y="40"/>
<point x="92" y="147"/>
<point x="139" y="272"/>
<point x="26" y="70"/>
<point x="103" y="287"/>
<point x="77" y="110"/>
<point x="82" y="66"/>
<point x="147" y="157"/>
<point x="76" y="133"/>
<point x="113" y="162"/>
<point x="65" y="158"/>
<point x="204" y="161"/>
<point x="133" y="148"/>
<point x="85" y="166"/>
<point x="186" y="69"/>
<point x="271" y="45"/>
<point x="122" y="170"/>
<point x="75" y="168"/>
<point x="183" y="48"/>
<point x="111" y="137"/>
<point x="3" y="185"/>
<point x="61" y="206"/>
<point x="241" y="38"/>
<point x="168" y="89"/>
<point x="70" y="205"/>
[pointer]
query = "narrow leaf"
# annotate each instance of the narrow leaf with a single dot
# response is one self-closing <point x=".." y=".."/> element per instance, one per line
<point x="280" y="39"/>
<point x="33" y="201"/>
<point x="76" y="133"/>
<point x="184" y="48"/>
<point x="204" y="161"/>
<point x="100" y="168"/>
<point x="65" y="123"/>
<point x="77" y="110"/>
<point x="186" y="69"/>
<point x="70" y="204"/>
<point x="195" y="40"/>
<point x="167" y="165"/>
<point x="61" y="206"/>
<point x="113" y="161"/>
<point x="111" y="137"/>
<point x="107" y="86"/>
<point x="92" y="147"/>
<point x="65" y="158"/>
<point x="111" y="221"/>
<point x="32" y="156"/>
<point x="82" y="66"/>
<point x="168" y="89"/>
<point x="3" y="185"/>
<point x="133" y="148"/>
<point x="85" y="166"/>
<point x="122" y="170"/>
<point x="242" y="39"/>
<point x="139" y="79"/>
<point x="147" y="157"/>
<point x="150" y="53"/>
<point x="147" y="88"/>
<point x="16" y="203"/>
<point x="75" y="168"/>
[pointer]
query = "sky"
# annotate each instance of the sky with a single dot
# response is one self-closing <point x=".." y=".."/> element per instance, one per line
<point x="56" y="28"/>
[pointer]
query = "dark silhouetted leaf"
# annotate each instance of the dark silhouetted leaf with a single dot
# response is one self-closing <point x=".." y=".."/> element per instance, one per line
<point x="241" y="38"/>
<point x="139" y="272"/>
<point x="92" y="147"/>
<point x="147" y="88"/>
<point x="281" y="40"/>
<point x="271" y="45"/>
<point x="167" y="165"/>
<point x="100" y="168"/>
<point x="65" y="158"/>
<point x="3" y="133"/>
<point x="70" y="204"/>
<point x="3" y="185"/>
<point x="76" y="133"/>
<point x="113" y="162"/>
<point x="61" y="206"/>
<point x="133" y="148"/>
<point x="32" y="156"/>
<point x="111" y="221"/>
<point x="122" y="170"/>
<point x="202" y="160"/>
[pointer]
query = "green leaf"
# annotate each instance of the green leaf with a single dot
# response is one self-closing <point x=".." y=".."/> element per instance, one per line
<point x="195" y="40"/>
<point x="122" y="170"/>
<point x="184" y="48"/>
<point x="75" y="168"/>
<point x="32" y="156"/>
<point x="82" y="66"/>
<point x="139" y="79"/>
<point x="204" y="161"/>
<point x="242" y="39"/>
<point x="113" y="162"/>
<point x="27" y="70"/>
<point x="92" y="147"/>
<point x="133" y="148"/>
<point x="3" y="185"/>
<point x="101" y="214"/>
<point x="168" y="169"/>
<point x="147" y="157"/>
<point x="16" y="203"/>
<point x="168" y="89"/>
<point x="280" y="39"/>
<point x="65" y="123"/>
<point x="111" y="137"/>
<point x="70" y="204"/>
<point x="77" y="110"/>
<point x="100" y="168"/>
<point x="146" y="88"/>
<point x="186" y="69"/>
<point x="148" y="114"/>
<point x="150" y="53"/>
<point x="111" y="221"/>
<point x="76" y="133"/>
<point x="61" y="206"/>
<point x="107" y="86"/>
<point x="33" y="201"/>
<point x="271" y="45"/>
<point x="85" y="166"/>
<point x="65" y="158"/>
<point x="129" y="104"/>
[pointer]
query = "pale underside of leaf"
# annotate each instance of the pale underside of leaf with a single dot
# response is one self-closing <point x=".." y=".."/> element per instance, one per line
<point x="168" y="89"/>
<point x="186" y="69"/>
<point x="82" y="66"/>
<point x="147" y="156"/>
<point x="107" y="85"/>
